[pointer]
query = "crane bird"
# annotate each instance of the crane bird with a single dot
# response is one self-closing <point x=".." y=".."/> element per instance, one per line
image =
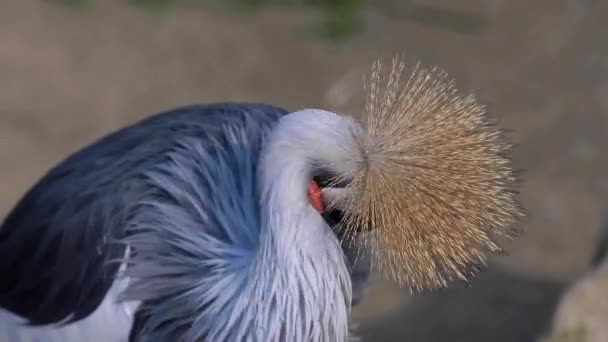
<point x="246" y="222"/>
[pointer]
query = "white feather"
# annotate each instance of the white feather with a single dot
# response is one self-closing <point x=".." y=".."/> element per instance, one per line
<point x="111" y="322"/>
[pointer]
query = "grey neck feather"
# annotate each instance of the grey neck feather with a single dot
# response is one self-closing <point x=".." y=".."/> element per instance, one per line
<point x="300" y="268"/>
<point x="300" y="275"/>
<point x="236" y="263"/>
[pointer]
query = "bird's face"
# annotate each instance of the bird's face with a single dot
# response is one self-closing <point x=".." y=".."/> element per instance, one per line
<point x="429" y="177"/>
<point x="324" y="192"/>
<point x="320" y="150"/>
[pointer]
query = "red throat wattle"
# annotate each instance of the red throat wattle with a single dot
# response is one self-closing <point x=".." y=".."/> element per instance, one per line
<point x="315" y="196"/>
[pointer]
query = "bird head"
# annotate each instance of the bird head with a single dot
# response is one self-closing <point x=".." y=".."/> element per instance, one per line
<point x="422" y="171"/>
<point x="255" y="234"/>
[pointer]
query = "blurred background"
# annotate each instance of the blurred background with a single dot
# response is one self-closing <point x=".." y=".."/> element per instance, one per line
<point x="72" y="70"/>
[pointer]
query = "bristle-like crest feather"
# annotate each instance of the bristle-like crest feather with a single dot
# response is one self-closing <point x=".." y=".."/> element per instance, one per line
<point x="434" y="181"/>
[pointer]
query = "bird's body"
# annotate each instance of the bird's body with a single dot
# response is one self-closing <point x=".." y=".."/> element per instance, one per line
<point x="197" y="168"/>
<point x="245" y="222"/>
<point x="110" y="322"/>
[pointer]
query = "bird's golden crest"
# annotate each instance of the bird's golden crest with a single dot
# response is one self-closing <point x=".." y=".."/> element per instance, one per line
<point x="436" y="182"/>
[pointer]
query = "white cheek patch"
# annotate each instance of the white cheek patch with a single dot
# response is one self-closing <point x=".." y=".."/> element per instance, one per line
<point x="336" y="196"/>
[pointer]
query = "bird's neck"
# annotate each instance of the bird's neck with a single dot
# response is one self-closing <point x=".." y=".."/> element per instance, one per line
<point x="299" y="270"/>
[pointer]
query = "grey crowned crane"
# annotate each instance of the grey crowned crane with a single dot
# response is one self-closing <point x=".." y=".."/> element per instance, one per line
<point x="246" y="222"/>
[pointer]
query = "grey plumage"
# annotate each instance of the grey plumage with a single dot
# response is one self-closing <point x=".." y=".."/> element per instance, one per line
<point x="196" y="233"/>
<point x="195" y="167"/>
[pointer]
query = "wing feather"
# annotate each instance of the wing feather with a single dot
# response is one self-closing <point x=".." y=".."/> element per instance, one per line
<point x="56" y="243"/>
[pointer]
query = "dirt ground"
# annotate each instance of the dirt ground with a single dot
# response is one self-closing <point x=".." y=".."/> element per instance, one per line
<point x="69" y="75"/>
